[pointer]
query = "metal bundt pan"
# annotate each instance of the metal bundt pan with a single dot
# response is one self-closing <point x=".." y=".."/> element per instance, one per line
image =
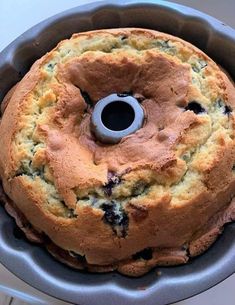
<point x="32" y="263"/>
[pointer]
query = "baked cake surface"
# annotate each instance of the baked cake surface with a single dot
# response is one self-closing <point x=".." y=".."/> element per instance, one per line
<point x="159" y="196"/>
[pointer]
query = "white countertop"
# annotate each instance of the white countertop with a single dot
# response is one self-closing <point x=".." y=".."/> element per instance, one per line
<point x="18" y="16"/>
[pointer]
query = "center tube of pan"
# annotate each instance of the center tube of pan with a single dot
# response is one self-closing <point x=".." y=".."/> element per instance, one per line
<point x="115" y="117"/>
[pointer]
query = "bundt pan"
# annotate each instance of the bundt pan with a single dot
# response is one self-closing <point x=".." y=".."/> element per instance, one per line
<point x="32" y="263"/>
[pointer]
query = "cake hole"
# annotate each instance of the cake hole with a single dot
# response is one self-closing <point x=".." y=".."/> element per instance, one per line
<point x="195" y="107"/>
<point x="117" y="116"/>
<point x="87" y="98"/>
<point x="79" y="257"/>
<point x="145" y="254"/>
<point x="124" y="37"/>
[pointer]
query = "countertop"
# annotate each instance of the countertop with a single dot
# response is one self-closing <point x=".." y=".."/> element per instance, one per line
<point x="15" y="18"/>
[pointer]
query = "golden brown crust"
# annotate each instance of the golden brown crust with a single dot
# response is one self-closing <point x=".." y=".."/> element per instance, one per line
<point x="132" y="267"/>
<point x="174" y="174"/>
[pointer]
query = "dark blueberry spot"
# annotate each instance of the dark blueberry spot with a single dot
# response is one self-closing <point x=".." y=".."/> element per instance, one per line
<point x="126" y="171"/>
<point x="108" y="190"/>
<point x="84" y="198"/>
<point x="186" y="157"/>
<point x="233" y="168"/>
<point x="139" y="188"/>
<point x="124" y="224"/>
<point x="124" y="37"/>
<point x="113" y="180"/>
<point x="195" y="107"/>
<point x="70" y="212"/>
<point x="125" y="93"/>
<point x="41" y="173"/>
<point x="110" y="214"/>
<point x="19" y="173"/>
<point x="227" y="109"/>
<point x="50" y="66"/>
<point x="87" y="98"/>
<point x="115" y="216"/>
<point x="166" y="43"/>
<point x="145" y="254"/>
<point x="196" y="69"/>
